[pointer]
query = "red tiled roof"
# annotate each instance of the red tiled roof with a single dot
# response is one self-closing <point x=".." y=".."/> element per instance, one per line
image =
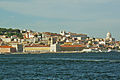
<point x="72" y="46"/>
<point x="6" y="47"/>
<point x="94" y="47"/>
<point x="52" y="34"/>
<point x="13" y="42"/>
<point x="38" y="46"/>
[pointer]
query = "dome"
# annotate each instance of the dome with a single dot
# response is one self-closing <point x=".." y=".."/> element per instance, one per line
<point x="108" y="35"/>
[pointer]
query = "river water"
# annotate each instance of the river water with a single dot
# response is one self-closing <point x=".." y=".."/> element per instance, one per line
<point x="71" y="66"/>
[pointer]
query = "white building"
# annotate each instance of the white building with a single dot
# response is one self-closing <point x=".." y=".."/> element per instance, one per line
<point x="6" y="39"/>
<point x="73" y="35"/>
<point x="63" y="33"/>
<point x="54" y="47"/>
<point x="109" y="37"/>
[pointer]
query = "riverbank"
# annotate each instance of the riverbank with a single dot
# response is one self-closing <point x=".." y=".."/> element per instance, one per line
<point x="55" y="52"/>
<point x="46" y="52"/>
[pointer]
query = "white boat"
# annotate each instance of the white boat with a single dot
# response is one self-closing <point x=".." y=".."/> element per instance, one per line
<point x="90" y="50"/>
<point x="110" y="50"/>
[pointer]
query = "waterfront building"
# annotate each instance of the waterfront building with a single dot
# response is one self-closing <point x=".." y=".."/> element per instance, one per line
<point x="55" y="48"/>
<point x="7" y="49"/>
<point x="72" y="47"/>
<point x="37" y="48"/>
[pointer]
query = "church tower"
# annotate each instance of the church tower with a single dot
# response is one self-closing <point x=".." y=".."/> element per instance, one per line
<point x="108" y="35"/>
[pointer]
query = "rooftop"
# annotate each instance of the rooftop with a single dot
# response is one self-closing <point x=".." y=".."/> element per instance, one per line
<point x="6" y="47"/>
<point x="38" y="46"/>
<point x="72" y="45"/>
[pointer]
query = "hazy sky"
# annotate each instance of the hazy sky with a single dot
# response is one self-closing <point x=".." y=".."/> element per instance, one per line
<point x="92" y="17"/>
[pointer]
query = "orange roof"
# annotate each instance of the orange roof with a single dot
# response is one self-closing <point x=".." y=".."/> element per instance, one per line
<point x="94" y="47"/>
<point x="6" y="47"/>
<point x="72" y="46"/>
<point x="38" y="46"/>
<point x="52" y="34"/>
<point x="13" y="42"/>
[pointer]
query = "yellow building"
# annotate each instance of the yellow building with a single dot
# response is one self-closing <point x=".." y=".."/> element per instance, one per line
<point x="67" y="43"/>
<point x="37" y="49"/>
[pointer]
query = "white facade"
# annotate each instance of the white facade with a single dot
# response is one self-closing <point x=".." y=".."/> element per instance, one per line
<point x="54" y="47"/>
<point x="6" y="39"/>
<point x="62" y="33"/>
<point x="102" y="42"/>
<point x="108" y="35"/>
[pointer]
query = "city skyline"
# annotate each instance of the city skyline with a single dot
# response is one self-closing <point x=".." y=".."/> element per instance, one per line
<point x="92" y="17"/>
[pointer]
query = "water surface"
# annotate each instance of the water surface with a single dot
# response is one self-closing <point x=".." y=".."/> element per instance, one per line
<point x="75" y="66"/>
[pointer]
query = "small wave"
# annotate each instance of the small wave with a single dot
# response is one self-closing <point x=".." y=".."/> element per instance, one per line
<point x="85" y="60"/>
<point x="114" y="61"/>
<point x="69" y="59"/>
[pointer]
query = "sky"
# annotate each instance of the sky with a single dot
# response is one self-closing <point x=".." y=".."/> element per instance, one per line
<point x="92" y="17"/>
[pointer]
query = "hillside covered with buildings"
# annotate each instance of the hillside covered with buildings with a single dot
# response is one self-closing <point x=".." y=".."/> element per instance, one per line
<point x="28" y="41"/>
